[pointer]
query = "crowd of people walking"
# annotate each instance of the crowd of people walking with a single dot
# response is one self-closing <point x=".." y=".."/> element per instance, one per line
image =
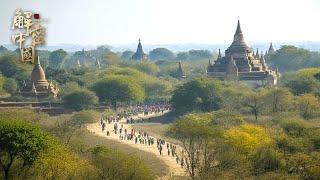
<point x="128" y="112"/>
<point x="135" y="114"/>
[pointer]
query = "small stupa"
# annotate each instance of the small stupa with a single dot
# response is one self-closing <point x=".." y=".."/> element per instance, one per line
<point x="38" y="85"/>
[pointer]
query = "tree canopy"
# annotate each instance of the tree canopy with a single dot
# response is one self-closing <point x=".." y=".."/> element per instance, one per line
<point x="56" y="58"/>
<point x="127" y="55"/>
<point x="80" y="99"/>
<point x="118" y="89"/>
<point x="161" y="54"/>
<point x="291" y="58"/>
<point x="21" y="141"/>
<point x="197" y="94"/>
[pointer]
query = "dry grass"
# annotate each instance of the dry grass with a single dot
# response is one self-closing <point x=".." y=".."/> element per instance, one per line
<point x="157" y="166"/>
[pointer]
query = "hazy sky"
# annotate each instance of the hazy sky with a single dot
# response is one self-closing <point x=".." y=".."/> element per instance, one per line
<point x="94" y="22"/>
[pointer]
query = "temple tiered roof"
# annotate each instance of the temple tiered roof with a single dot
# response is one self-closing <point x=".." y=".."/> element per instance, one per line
<point x="241" y="63"/>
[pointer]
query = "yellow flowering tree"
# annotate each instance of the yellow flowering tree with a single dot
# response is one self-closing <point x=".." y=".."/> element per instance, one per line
<point x="248" y="138"/>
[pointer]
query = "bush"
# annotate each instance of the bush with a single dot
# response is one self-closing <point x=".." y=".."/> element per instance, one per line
<point x="21" y="144"/>
<point x="266" y="159"/>
<point x="80" y="99"/>
<point x="198" y="94"/>
<point x="296" y="128"/>
<point x="115" y="165"/>
<point x="10" y="85"/>
<point x="248" y="138"/>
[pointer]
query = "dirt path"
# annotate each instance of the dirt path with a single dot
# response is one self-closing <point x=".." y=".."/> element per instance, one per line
<point x="170" y="161"/>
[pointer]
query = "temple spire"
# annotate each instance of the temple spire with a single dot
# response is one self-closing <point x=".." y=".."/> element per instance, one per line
<point x="238" y="39"/>
<point x="238" y="31"/>
<point x="180" y="71"/>
<point x="271" y="49"/>
<point x="257" y="53"/>
<point x="139" y="55"/>
<point x="219" y="55"/>
<point x="37" y="61"/>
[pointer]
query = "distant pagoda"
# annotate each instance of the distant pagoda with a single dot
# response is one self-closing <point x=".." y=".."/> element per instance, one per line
<point x="38" y="85"/>
<point x="180" y="73"/>
<point x="271" y="49"/>
<point x="241" y="63"/>
<point x="139" y="54"/>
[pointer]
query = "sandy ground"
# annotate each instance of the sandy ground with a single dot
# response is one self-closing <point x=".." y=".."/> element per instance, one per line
<point x="174" y="168"/>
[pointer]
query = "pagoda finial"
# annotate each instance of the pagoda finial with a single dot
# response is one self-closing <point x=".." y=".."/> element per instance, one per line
<point x="37" y="61"/>
<point x="238" y="38"/>
<point x="257" y="53"/>
<point x="238" y="27"/>
<point x="219" y="55"/>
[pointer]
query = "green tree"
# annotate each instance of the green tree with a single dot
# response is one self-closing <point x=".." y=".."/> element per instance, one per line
<point x="118" y="89"/>
<point x="56" y="58"/>
<point x="117" y="165"/>
<point x="196" y="132"/>
<point x="182" y="56"/>
<point x="161" y="54"/>
<point x="296" y="127"/>
<point x="301" y="84"/>
<point x="255" y="102"/>
<point x="10" y="85"/>
<point x="291" y="58"/>
<point x="308" y="106"/>
<point x="266" y="160"/>
<point x="147" y="67"/>
<point x="12" y="67"/>
<point x="2" y="81"/>
<point x="110" y="58"/>
<point x="84" y="117"/>
<point x="279" y="99"/>
<point x="59" y="162"/>
<point x="126" y="55"/>
<point x="80" y="99"/>
<point x="197" y="94"/>
<point x="199" y="54"/>
<point x="65" y="129"/>
<point x="19" y="141"/>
